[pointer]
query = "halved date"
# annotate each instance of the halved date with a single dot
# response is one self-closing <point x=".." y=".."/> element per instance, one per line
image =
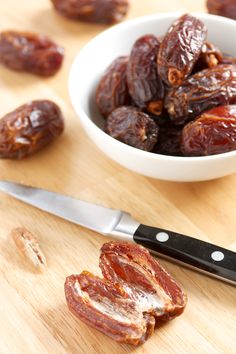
<point x="180" y="49"/>
<point x="24" y="51"/>
<point x="202" y="91"/>
<point x="148" y="284"/>
<point x="29" y="128"/>
<point x="214" y="132"/>
<point x="132" y="127"/>
<point x="226" y="8"/>
<point x="144" y="83"/>
<point x="99" y="11"/>
<point x="112" y="91"/>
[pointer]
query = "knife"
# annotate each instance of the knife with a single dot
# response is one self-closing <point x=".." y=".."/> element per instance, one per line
<point x="188" y="251"/>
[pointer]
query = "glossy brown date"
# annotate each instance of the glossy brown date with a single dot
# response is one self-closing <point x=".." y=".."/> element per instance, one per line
<point x="202" y="91"/>
<point x="29" y="128"/>
<point x="210" y="56"/>
<point x="133" y="127"/>
<point x="180" y="49"/>
<point x="112" y="91"/>
<point x="144" y="83"/>
<point x="214" y="132"/>
<point x="134" y="295"/>
<point x="99" y="11"/>
<point x="226" y="8"/>
<point x="24" y="51"/>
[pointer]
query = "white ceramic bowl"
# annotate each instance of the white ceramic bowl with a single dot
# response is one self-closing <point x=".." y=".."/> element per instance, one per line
<point x="90" y="64"/>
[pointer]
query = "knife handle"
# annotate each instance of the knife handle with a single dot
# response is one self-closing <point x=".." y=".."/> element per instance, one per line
<point x="189" y="251"/>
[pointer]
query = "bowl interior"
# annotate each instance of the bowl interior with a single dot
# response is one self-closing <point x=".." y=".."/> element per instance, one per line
<point x="97" y="55"/>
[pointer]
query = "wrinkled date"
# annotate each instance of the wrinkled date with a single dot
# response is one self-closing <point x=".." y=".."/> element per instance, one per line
<point x="29" y="128"/>
<point x="112" y="91"/>
<point x="180" y="49"/>
<point x="135" y="293"/>
<point x="226" y="8"/>
<point x="98" y="11"/>
<point x="210" y="56"/>
<point x="145" y="86"/>
<point x="214" y="132"/>
<point x="30" y="52"/>
<point x="133" y="127"/>
<point x="204" y="90"/>
<point x="169" y="140"/>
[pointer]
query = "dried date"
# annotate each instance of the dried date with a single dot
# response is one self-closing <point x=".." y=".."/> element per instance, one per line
<point x="29" y="247"/>
<point x="144" y="83"/>
<point x="180" y="49"/>
<point x="97" y="11"/>
<point x="24" y="51"/>
<point x="135" y="293"/>
<point x="210" y="56"/>
<point x="112" y="91"/>
<point x="226" y="8"/>
<point x="214" y="132"/>
<point x="132" y="127"/>
<point x="169" y="140"/>
<point x="29" y="128"/>
<point x="202" y="91"/>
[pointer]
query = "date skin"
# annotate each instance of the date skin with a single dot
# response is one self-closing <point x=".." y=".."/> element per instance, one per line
<point x="214" y="132"/>
<point x="96" y="11"/>
<point x="31" y="52"/>
<point x="135" y="294"/>
<point x="202" y="91"/>
<point x="144" y="83"/>
<point x="210" y="56"/>
<point x="29" y="128"/>
<point x="169" y="140"/>
<point x="226" y="8"/>
<point x="133" y="127"/>
<point x="180" y="49"/>
<point x="112" y="91"/>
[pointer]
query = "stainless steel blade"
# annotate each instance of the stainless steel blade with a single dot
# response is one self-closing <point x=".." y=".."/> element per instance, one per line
<point x="95" y="217"/>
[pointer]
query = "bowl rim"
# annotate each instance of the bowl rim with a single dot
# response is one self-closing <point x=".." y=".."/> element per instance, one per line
<point x="85" y="119"/>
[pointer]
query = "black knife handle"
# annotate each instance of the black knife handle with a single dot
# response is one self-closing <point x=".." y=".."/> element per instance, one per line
<point x="198" y="254"/>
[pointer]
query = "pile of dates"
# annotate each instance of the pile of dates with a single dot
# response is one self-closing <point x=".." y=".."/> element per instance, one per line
<point x="135" y="294"/>
<point x="174" y="95"/>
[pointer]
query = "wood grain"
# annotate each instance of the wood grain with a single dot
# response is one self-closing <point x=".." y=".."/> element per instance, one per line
<point x="33" y="312"/>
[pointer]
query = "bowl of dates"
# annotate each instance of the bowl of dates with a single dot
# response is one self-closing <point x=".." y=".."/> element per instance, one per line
<point x="157" y="94"/>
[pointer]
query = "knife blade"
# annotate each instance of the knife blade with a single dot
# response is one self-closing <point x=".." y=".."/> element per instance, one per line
<point x="188" y="251"/>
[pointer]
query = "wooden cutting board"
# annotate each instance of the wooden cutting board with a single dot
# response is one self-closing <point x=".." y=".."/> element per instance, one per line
<point x="33" y="311"/>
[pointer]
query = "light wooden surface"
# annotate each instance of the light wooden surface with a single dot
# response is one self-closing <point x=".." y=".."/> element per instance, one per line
<point x="33" y="312"/>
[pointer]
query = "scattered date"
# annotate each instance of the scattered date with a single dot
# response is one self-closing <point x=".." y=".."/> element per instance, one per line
<point x="135" y="294"/>
<point x="99" y="11"/>
<point x="133" y="127"/>
<point x="226" y="8"/>
<point x="202" y="91"/>
<point x="144" y="83"/>
<point x="29" y="128"/>
<point x="180" y="49"/>
<point x="112" y="91"/>
<point x="214" y="132"/>
<point x="24" y="51"/>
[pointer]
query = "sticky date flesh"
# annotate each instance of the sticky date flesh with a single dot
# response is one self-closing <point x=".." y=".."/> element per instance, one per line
<point x="29" y="128"/>
<point x="180" y="49"/>
<point x="112" y="91"/>
<point x="210" y="56"/>
<point x="145" y="86"/>
<point x="226" y="8"/>
<point x="202" y="91"/>
<point x="133" y="127"/>
<point x="30" y="52"/>
<point x="99" y="11"/>
<point x="135" y="293"/>
<point x="214" y="132"/>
